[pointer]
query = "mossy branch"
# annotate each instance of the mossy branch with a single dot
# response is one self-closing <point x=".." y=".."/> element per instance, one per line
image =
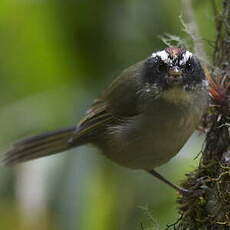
<point x="208" y="206"/>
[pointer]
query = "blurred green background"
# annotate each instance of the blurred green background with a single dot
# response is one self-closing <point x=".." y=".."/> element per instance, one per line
<point x="55" y="57"/>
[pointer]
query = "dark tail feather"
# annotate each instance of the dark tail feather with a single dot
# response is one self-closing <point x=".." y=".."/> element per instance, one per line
<point x="40" y="146"/>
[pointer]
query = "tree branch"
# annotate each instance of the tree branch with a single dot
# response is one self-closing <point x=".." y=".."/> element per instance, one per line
<point x="191" y="28"/>
<point x="208" y="205"/>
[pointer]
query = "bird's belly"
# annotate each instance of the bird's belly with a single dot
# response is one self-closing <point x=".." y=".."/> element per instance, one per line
<point x="148" y="142"/>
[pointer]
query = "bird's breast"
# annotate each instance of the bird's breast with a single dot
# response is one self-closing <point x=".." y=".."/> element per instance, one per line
<point x="150" y="139"/>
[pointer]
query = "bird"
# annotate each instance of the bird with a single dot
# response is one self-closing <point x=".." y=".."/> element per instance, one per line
<point x="140" y="121"/>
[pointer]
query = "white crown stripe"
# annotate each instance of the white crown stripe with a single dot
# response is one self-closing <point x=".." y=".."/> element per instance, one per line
<point x="166" y="59"/>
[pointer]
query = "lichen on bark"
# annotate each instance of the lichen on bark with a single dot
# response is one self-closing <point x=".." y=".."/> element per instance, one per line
<point x="207" y="207"/>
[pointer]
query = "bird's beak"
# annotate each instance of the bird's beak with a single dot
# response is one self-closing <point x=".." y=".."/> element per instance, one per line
<point x="175" y="72"/>
<point x="174" y="75"/>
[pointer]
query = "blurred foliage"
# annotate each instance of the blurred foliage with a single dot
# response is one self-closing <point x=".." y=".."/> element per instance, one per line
<point x="55" y="58"/>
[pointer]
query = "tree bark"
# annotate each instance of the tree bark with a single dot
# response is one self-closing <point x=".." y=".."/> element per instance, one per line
<point x="207" y="207"/>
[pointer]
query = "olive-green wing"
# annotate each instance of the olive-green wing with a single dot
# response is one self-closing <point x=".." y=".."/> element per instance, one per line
<point x="118" y="101"/>
<point x="96" y="117"/>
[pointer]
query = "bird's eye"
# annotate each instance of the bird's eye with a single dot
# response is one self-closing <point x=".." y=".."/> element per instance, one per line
<point x="161" y="67"/>
<point x="189" y="67"/>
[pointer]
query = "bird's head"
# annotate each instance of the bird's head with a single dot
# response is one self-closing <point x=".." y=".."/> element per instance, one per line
<point x="174" y="67"/>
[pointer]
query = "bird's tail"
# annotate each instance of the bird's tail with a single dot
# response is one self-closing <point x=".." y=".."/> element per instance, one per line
<point x="39" y="146"/>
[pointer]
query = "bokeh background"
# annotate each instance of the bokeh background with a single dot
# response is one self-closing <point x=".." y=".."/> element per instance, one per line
<point x="55" y="58"/>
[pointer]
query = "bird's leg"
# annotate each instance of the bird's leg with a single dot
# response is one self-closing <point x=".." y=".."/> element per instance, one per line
<point x="157" y="175"/>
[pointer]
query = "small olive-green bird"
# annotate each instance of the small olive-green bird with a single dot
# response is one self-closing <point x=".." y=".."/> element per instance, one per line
<point x="140" y="121"/>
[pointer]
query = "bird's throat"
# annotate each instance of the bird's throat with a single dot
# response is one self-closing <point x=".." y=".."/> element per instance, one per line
<point x="177" y="95"/>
